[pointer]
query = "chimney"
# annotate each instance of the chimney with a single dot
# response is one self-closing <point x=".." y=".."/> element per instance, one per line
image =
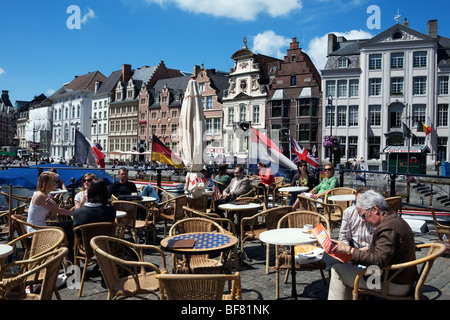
<point x="97" y="86"/>
<point x="433" y="28"/>
<point x="294" y="44"/>
<point x="406" y="23"/>
<point x="332" y="40"/>
<point x="196" y="71"/>
<point x="5" y="94"/>
<point x="126" y="72"/>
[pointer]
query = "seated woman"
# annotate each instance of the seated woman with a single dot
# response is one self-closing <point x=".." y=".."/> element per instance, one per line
<point x="42" y="207"/>
<point x="303" y="178"/>
<point x="223" y="177"/>
<point x="96" y="209"/>
<point x="319" y="191"/>
<point x="81" y="197"/>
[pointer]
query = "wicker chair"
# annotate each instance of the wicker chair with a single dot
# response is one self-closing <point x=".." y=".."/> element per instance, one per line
<point x="333" y="212"/>
<point x="201" y="263"/>
<point x="130" y="221"/>
<point x="297" y="219"/>
<point x="83" y="235"/>
<point x="42" y="242"/>
<point x="46" y="266"/>
<point x="389" y="272"/>
<point x="279" y="183"/>
<point x="252" y="227"/>
<point x="170" y="211"/>
<point x="394" y="204"/>
<point x="440" y="228"/>
<point x="141" y="278"/>
<point x="198" y="286"/>
<point x="228" y="226"/>
<point x="163" y="194"/>
<point x="10" y="227"/>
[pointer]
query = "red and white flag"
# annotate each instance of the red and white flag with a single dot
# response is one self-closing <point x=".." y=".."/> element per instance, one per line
<point x="300" y="153"/>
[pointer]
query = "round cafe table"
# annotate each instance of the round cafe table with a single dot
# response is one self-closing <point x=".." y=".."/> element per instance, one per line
<point x="349" y="198"/>
<point x="120" y="214"/>
<point x="58" y="192"/>
<point x="288" y="237"/>
<point x="293" y="189"/>
<point x="239" y="208"/>
<point x="5" y="251"/>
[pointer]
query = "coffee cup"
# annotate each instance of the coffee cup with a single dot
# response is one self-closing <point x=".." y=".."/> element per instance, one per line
<point x="307" y="227"/>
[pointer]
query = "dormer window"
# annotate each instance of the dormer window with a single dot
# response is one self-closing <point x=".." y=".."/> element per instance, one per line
<point x="343" y="63"/>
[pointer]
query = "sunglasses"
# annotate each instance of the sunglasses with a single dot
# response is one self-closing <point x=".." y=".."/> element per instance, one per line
<point x="87" y="180"/>
<point x="328" y="169"/>
<point x="363" y="216"/>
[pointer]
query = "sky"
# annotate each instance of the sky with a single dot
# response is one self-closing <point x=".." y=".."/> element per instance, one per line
<point x="47" y="43"/>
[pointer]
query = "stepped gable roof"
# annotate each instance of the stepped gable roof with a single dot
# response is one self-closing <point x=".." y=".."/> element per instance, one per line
<point x="173" y="84"/>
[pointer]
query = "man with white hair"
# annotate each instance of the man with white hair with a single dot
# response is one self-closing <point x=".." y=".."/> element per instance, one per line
<point x="392" y="243"/>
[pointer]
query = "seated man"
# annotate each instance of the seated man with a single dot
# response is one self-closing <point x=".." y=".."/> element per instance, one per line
<point x="238" y="186"/>
<point x="392" y="243"/>
<point x="123" y="186"/>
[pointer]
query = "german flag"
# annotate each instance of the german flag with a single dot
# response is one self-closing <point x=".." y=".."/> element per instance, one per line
<point x="423" y="128"/>
<point x="163" y="154"/>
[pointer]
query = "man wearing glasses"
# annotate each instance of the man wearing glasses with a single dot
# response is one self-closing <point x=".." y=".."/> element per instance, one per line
<point x="392" y="243"/>
<point x="238" y="186"/>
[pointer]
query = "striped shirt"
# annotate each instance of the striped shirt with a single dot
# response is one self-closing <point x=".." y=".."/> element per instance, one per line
<point x="354" y="230"/>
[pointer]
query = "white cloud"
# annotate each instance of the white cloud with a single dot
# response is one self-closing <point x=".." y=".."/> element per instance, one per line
<point x="89" y="15"/>
<point x="317" y="47"/>
<point x="2" y="71"/>
<point x="246" y="10"/>
<point x="270" y="44"/>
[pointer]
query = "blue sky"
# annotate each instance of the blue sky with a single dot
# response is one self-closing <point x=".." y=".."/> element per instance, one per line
<point x="40" y="52"/>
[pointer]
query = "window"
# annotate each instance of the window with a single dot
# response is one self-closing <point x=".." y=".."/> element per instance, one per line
<point x="443" y="85"/>
<point x="303" y="132"/>
<point x="354" y="88"/>
<point x="230" y="115"/>
<point x="208" y="126"/>
<point x="352" y="146"/>
<point x="396" y="86"/>
<point x="419" y="113"/>
<point x="420" y="59"/>
<point x="375" y="61"/>
<point x="442" y="115"/>
<point x="242" y="113"/>
<point x="375" y="116"/>
<point x="293" y="80"/>
<point x="342" y="116"/>
<point x="216" y="127"/>
<point x="209" y="103"/>
<point x="442" y="149"/>
<point x="330" y="116"/>
<point x="201" y="87"/>
<point x="256" y="118"/>
<point x="342" y="88"/>
<point x="420" y="85"/>
<point x="395" y="116"/>
<point x="164" y="128"/>
<point x="280" y="108"/>
<point x="374" y="87"/>
<point x="418" y="141"/>
<point x="397" y="60"/>
<point x="342" y="63"/>
<point x="374" y="147"/>
<point x="353" y="116"/>
<point x="331" y="88"/>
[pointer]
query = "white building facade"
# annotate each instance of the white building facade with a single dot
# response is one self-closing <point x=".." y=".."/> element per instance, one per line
<point x="374" y="90"/>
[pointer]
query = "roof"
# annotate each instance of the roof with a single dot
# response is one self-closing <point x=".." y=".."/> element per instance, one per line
<point x="280" y="94"/>
<point x="84" y="82"/>
<point x="109" y="84"/>
<point x="308" y="93"/>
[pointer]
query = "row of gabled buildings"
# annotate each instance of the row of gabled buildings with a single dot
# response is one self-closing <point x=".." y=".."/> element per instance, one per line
<point x="123" y="110"/>
<point x="369" y="91"/>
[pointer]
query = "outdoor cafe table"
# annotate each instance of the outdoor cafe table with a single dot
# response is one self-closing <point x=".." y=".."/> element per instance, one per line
<point x="239" y="208"/>
<point x="349" y="198"/>
<point x="5" y="251"/>
<point x="120" y="214"/>
<point x="288" y="237"/>
<point x="293" y="189"/>
<point x="205" y="243"/>
<point x="58" y="191"/>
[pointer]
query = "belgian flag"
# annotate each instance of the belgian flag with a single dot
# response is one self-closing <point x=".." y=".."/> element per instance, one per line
<point x="163" y="154"/>
<point x="424" y="128"/>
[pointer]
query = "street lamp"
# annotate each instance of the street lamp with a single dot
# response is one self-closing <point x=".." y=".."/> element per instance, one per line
<point x="95" y="125"/>
<point x="330" y="105"/>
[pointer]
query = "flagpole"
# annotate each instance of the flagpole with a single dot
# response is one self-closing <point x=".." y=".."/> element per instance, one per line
<point x="409" y="139"/>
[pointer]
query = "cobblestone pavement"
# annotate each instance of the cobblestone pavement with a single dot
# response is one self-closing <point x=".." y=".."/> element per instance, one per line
<point x="257" y="285"/>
